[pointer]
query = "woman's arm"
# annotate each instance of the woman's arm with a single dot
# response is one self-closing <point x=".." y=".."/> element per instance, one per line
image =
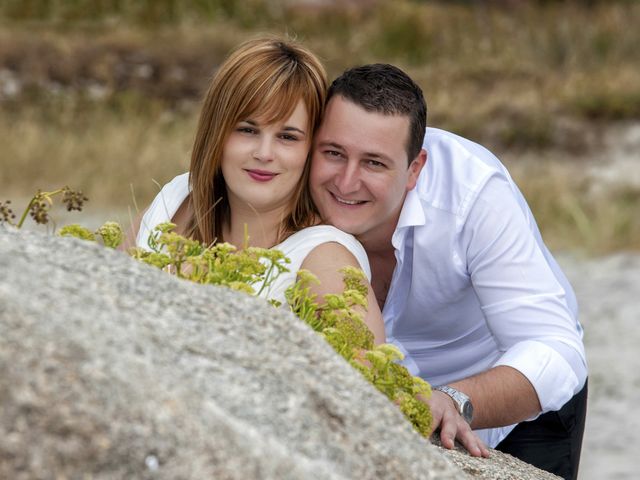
<point x="325" y="262"/>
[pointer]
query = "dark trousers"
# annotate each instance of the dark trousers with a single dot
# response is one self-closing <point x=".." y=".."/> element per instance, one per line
<point x="553" y="441"/>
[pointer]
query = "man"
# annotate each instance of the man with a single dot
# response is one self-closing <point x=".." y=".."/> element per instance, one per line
<point x="469" y="291"/>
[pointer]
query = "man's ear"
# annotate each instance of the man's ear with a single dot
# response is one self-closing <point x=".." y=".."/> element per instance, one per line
<point x="415" y="167"/>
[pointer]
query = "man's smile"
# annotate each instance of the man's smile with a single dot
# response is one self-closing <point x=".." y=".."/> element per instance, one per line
<point x="345" y="201"/>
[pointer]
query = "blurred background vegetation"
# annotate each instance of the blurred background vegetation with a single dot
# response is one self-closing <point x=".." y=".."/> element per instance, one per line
<point x="103" y="95"/>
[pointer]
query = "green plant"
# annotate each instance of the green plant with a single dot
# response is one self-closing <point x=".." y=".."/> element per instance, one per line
<point x="250" y="270"/>
<point x="340" y="322"/>
<point x="111" y="233"/>
<point x="6" y="213"/>
<point x="40" y="204"/>
<point x="337" y="318"/>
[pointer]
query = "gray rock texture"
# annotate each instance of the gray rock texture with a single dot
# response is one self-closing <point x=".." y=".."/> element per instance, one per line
<point x="499" y="466"/>
<point x="112" y="369"/>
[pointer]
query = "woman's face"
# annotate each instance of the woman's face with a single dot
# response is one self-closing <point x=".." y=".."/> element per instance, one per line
<point x="263" y="163"/>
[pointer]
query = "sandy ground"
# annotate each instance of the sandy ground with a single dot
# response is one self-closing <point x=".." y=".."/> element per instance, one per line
<point x="608" y="291"/>
<point x="608" y="294"/>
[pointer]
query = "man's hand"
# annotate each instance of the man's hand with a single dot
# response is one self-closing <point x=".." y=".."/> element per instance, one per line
<point x="452" y="426"/>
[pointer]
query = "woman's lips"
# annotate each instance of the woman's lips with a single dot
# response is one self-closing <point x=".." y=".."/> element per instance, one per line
<point x="261" y="175"/>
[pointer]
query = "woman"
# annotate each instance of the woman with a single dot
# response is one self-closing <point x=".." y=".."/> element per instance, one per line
<point x="250" y="165"/>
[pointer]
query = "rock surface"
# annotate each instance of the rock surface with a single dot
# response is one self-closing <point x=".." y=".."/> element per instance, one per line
<point x="112" y="369"/>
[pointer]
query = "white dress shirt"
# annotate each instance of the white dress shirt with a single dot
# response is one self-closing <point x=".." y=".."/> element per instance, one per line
<point x="474" y="285"/>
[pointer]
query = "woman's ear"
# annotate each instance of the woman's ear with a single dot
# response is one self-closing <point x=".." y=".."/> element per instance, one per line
<point x="415" y="167"/>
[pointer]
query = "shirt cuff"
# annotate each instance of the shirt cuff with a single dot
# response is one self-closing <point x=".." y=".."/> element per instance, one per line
<point x="550" y="374"/>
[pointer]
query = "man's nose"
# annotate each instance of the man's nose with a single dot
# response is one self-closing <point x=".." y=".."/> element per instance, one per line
<point x="348" y="180"/>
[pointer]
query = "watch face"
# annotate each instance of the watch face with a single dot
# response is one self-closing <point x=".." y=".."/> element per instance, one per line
<point x="467" y="411"/>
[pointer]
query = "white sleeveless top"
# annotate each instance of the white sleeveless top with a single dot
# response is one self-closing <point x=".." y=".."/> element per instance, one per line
<point x="296" y="247"/>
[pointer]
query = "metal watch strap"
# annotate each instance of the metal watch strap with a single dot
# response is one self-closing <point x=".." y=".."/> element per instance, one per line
<point x="461" y="400"/>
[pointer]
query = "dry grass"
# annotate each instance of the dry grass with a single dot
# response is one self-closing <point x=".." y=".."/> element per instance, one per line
<point x="101" y="94"/>
<point x="98" y="150"/>
<point x="573" y="214"/>
<point x="106" y="152"/>
<point x="496" y="73"/>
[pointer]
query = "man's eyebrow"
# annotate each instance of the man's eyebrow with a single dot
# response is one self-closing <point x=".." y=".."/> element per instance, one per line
<point x="331" y="144"/>
<point x="337" y="146"/>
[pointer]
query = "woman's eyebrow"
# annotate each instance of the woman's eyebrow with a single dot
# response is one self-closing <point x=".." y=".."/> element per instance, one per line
<point x="289" y="128"/>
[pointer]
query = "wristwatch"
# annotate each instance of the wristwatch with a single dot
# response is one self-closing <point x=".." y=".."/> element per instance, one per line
<point x="462" y="401"/>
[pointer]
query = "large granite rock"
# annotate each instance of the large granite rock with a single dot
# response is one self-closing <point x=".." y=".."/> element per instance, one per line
<point x="112" y="369"/>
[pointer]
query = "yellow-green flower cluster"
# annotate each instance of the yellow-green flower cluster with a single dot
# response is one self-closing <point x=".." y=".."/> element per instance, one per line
<point x="341" y="324"/>
<point x="337" y="318"/>
<point x="110" y="233"/>
<point x="219" y="264"/>
<point x="380" y="367"/>
<point x="78" y="231"/>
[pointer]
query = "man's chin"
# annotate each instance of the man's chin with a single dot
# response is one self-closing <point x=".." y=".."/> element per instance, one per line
<point x="347" y="227"/>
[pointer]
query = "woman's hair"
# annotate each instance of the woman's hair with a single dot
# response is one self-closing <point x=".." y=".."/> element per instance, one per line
<point x="264" y="78"/>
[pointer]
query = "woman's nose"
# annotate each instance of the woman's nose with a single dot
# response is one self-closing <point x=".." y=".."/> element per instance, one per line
<point x="264" y="151"/>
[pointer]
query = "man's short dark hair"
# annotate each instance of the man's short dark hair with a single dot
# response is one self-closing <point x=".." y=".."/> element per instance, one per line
<point x="388" y="90"/>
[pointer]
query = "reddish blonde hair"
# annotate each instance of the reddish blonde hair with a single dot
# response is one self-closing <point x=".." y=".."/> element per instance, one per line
<point x="266" y="78"/>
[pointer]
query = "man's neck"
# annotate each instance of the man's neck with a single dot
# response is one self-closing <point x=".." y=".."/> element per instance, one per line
<point x="382" y="259"/>
<point x="377" y="242"/>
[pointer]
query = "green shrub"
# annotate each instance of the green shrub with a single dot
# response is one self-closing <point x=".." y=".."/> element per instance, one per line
<point x="338" y="318"/>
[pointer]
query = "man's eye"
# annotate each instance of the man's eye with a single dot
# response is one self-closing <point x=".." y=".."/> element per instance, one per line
<point x="333" y="153"/>
<point x="375" y="164"/>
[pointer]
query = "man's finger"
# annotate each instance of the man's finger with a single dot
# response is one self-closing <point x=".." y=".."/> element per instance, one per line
<point x="448" y="430"/>
<point x="471" y="442"/>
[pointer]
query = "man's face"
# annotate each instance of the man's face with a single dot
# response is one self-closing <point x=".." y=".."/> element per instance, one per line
<point x="359" y="171"/>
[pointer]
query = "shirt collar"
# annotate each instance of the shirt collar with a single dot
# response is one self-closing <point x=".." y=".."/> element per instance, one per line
<point x="411" y="215"/>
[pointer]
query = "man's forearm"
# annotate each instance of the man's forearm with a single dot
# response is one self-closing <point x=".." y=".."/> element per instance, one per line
<point x="500" y="396"/>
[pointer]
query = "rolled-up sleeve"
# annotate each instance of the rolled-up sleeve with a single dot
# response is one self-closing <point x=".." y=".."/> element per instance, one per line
<point x="523" y="301"/>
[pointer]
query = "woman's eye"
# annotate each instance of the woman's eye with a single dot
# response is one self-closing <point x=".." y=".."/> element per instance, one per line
<point x="250" y="130"/>
<point x="291" y="138"/>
